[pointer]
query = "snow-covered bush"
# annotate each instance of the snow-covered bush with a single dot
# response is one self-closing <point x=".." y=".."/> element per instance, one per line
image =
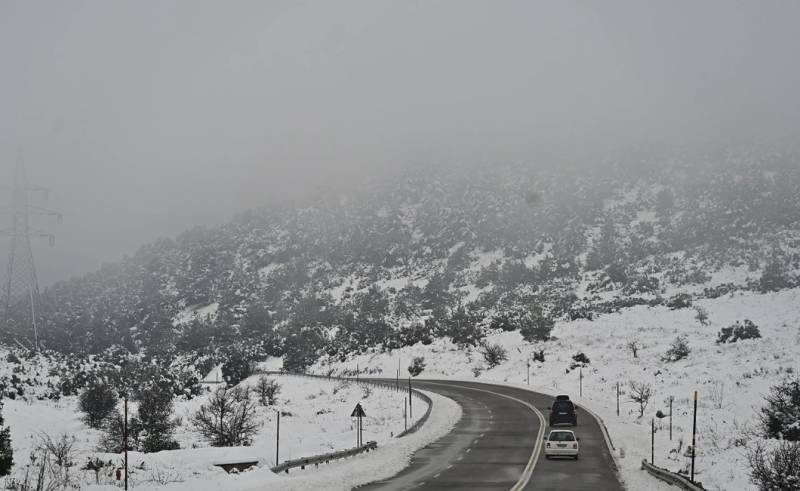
<point x="536" y="327"/>
<point x="777" y="469"/>
<point x="494" y="354"/>
<point x="678" y="350"/>
<point x="738" y="331"/>
<point x="155" y="416"/>
<point x="97" y="402"/>
<point x="229" y="419"/>
<point x="113" y="437"/>
<point x="267" y="390"/>
<point x="579" y="359"/>
<point x="680" y="301"/>
<point x="417" y="366"/>
<point x="780" y="418"/>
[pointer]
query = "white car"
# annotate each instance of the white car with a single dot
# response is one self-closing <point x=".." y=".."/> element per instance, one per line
<point x="561" y="443"/>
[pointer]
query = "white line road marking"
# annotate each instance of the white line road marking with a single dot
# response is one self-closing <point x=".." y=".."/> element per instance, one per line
<point x="437" y="475"/>
<point x="537" y="448"/>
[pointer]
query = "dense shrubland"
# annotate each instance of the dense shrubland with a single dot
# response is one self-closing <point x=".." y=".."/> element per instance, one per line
<point x="429" y="254"/>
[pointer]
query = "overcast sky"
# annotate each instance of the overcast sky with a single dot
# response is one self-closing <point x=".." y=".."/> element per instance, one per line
<point x="148" y="117"/>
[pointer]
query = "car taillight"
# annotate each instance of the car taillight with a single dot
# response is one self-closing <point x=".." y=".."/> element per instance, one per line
<point x="575" y="445"/>
<point x="548" y="444"/>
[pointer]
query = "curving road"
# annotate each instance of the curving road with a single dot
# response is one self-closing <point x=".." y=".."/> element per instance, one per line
<point x="497" y="444"/>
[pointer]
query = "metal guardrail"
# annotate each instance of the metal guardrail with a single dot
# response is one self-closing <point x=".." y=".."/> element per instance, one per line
<point x="316" y="460"/>
<point x="371" y="445"/>
<point x="421" y="421"/>
<point x="671" y="477"/>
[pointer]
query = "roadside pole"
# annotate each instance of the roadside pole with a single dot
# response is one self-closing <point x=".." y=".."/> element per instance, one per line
<point x="653" y="441"/>
<point x="125" y="442"/>
<point x="529" y="370"/>
<point x="410" y="410"/>
<point x="580" y="376"/>
<point x="278" y="439"/>
<point x="405" y="413"/>
<point x="670" y="417"/>
<point x="694" y="434"/>
<point x="617" y="398"/>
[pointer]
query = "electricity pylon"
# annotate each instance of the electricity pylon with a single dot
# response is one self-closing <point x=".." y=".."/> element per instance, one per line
<point x="21" y="288"/>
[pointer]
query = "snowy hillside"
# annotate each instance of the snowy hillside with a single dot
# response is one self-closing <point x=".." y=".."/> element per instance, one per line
<point x="732" y="379"/>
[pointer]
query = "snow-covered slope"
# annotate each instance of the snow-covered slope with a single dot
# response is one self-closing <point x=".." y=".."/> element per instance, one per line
<point x="731" y="379"/>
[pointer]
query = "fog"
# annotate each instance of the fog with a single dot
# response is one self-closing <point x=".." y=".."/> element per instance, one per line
<point x="146" y="118"/>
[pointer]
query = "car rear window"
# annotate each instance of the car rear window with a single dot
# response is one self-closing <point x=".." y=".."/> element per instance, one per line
<point x="562" y="406"/>
<point x="562" y="436"/>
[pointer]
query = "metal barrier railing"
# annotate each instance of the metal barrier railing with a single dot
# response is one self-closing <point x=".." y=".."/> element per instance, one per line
<point x="671" y="477"/>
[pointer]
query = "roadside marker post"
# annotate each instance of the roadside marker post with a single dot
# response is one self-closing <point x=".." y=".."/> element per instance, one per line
<point x="652" y="441"/>
<point x="580" y="376"/>
<point x="410" y="410"/>
<point x="694" y="434"/>
<point x="278" y="439"/>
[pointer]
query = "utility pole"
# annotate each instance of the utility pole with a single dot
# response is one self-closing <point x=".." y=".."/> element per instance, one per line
<point x="694" y="434"/>
<point x="21" y="289"/>
<point x="617" y="398"/>
<point x="125" y="438"/>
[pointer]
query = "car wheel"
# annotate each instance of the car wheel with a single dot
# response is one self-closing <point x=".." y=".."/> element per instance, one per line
<point x="547" y="457"/>
<point x="576" y="457"/>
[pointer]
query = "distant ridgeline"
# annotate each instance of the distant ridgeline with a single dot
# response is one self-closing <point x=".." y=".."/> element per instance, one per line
<point x="443" y="252"/>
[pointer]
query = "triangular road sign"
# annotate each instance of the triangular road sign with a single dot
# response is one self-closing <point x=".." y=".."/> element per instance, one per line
<point x="358" y="412"/>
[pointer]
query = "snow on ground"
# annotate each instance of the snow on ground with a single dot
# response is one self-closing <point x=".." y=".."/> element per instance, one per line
<point x="195" y="312"/>
<point x="315" y="418"/>
<point x="731" y="378"/>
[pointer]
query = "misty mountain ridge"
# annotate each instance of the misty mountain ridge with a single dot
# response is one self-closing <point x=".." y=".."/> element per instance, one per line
<point x="442" y="252"/>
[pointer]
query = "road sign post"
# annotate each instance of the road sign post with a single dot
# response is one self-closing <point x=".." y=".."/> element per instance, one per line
<point x="359" y="413"/>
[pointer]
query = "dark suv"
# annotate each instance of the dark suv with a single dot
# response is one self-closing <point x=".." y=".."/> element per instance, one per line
<point x="563" y="411"/>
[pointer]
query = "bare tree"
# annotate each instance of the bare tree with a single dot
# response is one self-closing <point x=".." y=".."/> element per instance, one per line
<point x="228" y="419"/>
<point x="50" y="464"/>
<point x="634" y="346"/>
<point x="640" y="393"/>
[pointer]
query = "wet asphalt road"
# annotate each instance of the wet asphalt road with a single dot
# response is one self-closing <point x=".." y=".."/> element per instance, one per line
<point x="494" y="446"/>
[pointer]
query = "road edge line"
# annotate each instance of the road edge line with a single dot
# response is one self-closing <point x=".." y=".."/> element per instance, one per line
<point x="527" y="473"/>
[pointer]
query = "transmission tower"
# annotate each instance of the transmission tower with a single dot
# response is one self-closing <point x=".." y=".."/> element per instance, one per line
<point x="21" y="288"/>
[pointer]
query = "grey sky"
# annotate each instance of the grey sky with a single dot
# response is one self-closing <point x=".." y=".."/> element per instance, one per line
<point x="148" y="117"/>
